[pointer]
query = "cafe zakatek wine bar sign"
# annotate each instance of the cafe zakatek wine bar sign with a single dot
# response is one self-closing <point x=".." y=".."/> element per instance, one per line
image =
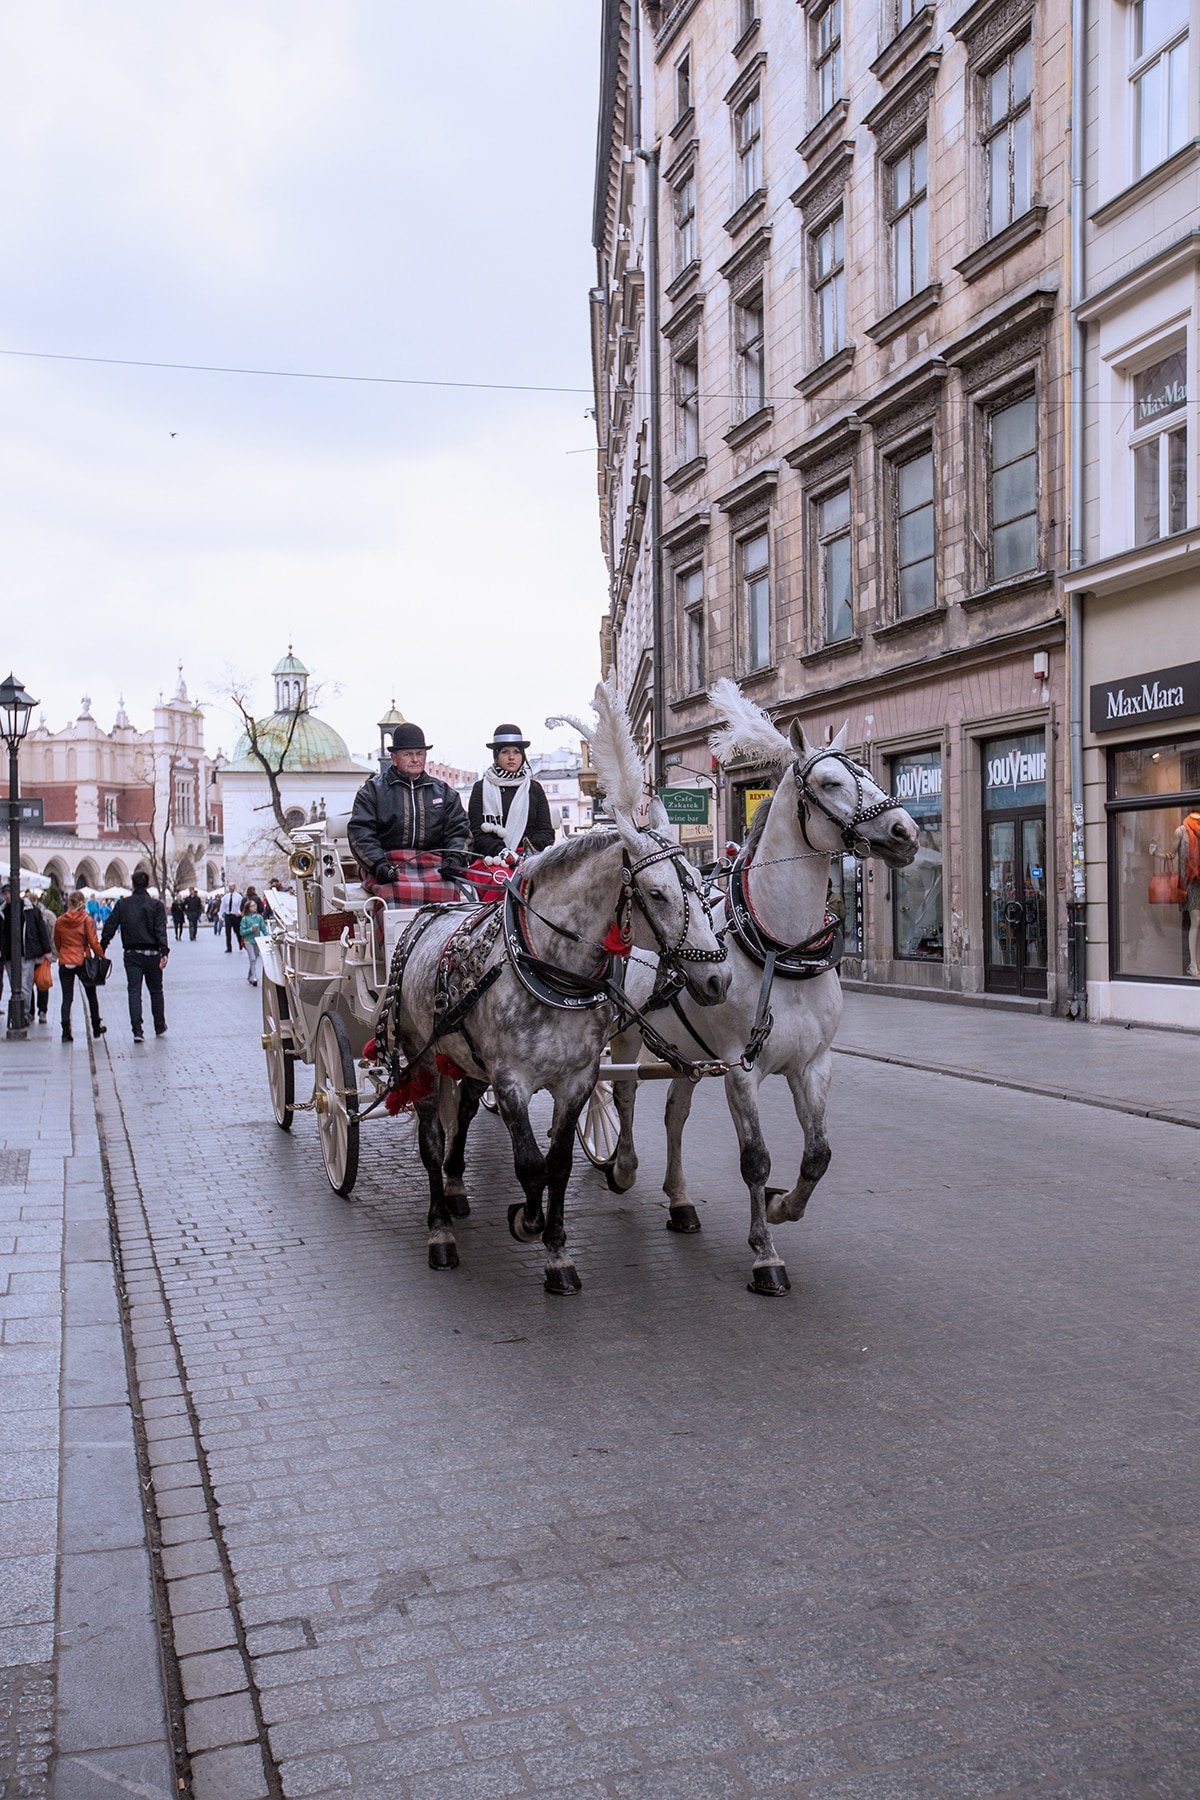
<point x="1146" y="699"/>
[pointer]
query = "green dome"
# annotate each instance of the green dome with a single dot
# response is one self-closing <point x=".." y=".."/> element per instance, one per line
<point x="314" y="745"/>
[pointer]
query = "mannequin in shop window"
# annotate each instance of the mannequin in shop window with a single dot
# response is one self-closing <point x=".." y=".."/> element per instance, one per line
<point x="1187" y="854"/>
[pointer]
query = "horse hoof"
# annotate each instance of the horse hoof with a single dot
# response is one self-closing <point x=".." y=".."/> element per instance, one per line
<point x="459" y="1205"/>
<point x="771" y="1279"/>
<point x="615" y="1184"/>
<point x="562" y="1279"/>
<point x="443" y="1256"/>
<point x="523" y="1232"/>
<point x="683" y="1218"/>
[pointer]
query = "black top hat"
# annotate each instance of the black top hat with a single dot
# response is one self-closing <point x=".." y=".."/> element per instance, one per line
<point x="508" y="737"/>
<point x="409" y="737"/>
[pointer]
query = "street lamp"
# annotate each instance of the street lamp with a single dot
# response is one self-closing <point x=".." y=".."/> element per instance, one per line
<point x="16" y="708"/>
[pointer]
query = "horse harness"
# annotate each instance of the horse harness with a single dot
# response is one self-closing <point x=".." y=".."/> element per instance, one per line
<point x="807" y="796"/>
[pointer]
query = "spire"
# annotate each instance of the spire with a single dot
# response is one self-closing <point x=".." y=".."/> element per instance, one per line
<point x="181" y="693"/>
<point x="121" y="722"/>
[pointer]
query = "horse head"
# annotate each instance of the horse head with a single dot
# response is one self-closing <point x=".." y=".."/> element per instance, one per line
<point x="841" y="807"/>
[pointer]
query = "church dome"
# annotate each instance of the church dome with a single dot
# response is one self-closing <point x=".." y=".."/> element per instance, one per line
<point x="314" y="745"/>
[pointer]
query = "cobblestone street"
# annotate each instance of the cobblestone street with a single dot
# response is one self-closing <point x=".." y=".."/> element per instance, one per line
<point x="926" y="1527"/>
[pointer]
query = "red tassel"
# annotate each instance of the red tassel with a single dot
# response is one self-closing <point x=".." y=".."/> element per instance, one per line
<point x="406" y="1093"/>
<point x="369" y="1050"/>
<point x="615" y="942"/>
<point x="446" y="1065"/>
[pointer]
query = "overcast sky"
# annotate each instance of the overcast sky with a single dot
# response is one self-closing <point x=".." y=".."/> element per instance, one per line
<point x="364" y="188"/>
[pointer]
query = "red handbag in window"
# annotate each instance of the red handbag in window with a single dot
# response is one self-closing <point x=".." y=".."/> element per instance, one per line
<point x="1165" y="888"/>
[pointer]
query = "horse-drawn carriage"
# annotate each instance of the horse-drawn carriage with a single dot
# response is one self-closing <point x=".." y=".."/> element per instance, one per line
<point x="601" y="962"/>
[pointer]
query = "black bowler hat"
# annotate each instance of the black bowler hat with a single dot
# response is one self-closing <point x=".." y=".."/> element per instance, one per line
<point x="409" y="737"/>
<point x="508" y="737"/>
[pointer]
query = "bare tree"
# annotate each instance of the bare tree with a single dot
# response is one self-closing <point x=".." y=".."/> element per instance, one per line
<point x="154" y="834"/>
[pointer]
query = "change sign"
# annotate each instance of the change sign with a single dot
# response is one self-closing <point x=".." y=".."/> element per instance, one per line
<point x="685" y="806"/>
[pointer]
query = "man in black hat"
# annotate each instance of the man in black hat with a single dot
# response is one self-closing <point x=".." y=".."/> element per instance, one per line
<point x="407" y="809"/>
<point x="508" y="809"/>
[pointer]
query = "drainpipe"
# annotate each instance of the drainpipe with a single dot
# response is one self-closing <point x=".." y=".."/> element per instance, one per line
<point x="654" y="524"/>
<point x="1077" y="904"/>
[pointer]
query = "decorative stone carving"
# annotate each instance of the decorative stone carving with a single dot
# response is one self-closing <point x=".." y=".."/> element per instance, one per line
<point x="823" y="191"/>
<point x="901" y="113"/>
<point x="988" y="23"/>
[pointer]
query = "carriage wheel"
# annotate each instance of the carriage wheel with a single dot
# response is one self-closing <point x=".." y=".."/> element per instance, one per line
<point x="335" y="1098"/>
<point x="488" y="1100"/>
<point x="599" y="1126"/>
<point x="281" y="1060"/>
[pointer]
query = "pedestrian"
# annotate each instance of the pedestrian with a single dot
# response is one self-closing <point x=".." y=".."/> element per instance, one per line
<point x="212" y="913"/>
<point x="4" y="942"/>
<point x="75" y="939"/>
<point x="42" y="988"/>
<point x="231" y="914"/>
<point x="142" y="923"/>
<point x="407" y="809"/>
<point x="252" y="928"/>
<point x="193" y="906"/>
<point x="35" y="942"/>
<point x="177" y="918"/>
<point x="508" y="809"/>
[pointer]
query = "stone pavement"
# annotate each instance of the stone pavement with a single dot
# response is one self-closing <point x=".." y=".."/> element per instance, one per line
<point x="926" y="1527"/>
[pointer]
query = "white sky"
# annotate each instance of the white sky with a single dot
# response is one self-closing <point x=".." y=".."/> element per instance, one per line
<point x="367" y="188"/>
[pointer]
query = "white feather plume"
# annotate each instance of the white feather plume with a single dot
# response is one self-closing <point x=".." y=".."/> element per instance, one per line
<point x="620" y="774"/>
<point x="745" y="731"/>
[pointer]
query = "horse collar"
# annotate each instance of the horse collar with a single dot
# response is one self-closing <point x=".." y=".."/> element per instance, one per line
<point x="812" y="956"/>
<point x="545" y="981"/>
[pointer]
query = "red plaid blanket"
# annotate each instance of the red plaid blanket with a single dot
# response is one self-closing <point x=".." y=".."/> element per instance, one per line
<point x="417" y="880"/>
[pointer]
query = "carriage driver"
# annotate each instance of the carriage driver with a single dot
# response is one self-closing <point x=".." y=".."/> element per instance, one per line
<point x="405" y="808"/>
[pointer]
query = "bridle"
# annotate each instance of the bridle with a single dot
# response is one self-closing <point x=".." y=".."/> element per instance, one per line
<point x="807" y="796"/>
<point x="680" y="950"/>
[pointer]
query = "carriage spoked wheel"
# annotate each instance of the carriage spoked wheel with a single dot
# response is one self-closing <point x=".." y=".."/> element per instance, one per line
<point x="281" y="1059"/>
<point x="335" y="1102"/>
<point x="599" y="1127"/>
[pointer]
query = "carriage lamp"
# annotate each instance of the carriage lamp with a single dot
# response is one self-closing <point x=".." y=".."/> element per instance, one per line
<point x="16" y="710"/>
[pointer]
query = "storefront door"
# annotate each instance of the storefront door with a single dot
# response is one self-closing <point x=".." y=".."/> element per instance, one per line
<point x="1015" y="909"/>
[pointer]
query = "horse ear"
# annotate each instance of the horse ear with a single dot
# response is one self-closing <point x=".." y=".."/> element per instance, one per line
<point x="798" y="741"/>
<point x="839" y="742"/>
<point x="656" y="816"/>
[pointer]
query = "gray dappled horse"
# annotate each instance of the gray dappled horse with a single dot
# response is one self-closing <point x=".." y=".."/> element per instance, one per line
<point x="824" y="804"/>
<point x="544" y="1019"/>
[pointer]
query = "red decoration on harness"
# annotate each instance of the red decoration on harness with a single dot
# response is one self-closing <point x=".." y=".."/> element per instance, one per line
<point x="617" y="942"/>
<point x="369" y="1050"/>
<point x="406" y="1093"/>
<point x="446" y="1065"/>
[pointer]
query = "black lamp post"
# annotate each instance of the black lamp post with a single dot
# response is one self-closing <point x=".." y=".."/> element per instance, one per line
<point x="16" y="709"/>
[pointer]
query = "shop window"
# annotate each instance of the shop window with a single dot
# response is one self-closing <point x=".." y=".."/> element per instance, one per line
<point x="1158" y="446"/>
<point x="1154" y="861"/>
<point x="917" y="902"/>
<point x="846" y="901"/>
<point x="754" y="558"/>
<point x="1159" y="77"/>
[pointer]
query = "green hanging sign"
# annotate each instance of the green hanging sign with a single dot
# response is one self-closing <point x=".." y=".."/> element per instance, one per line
<point x="685" y="806"/>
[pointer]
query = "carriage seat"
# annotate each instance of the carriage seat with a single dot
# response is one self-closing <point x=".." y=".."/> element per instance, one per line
<point x="417" y="880"/>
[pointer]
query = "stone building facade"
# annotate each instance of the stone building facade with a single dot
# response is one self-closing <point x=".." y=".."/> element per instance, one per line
<point x="860" y="267"/>
<point x="1134" y="583"/>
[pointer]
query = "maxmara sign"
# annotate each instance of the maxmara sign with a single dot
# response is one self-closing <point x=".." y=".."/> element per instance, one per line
<point x="1146" y="699"/>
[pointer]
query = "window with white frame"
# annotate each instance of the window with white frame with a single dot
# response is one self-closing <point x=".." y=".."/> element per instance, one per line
<point x="746" y="16"/>
<point x="747" y="132"/>
<point x="754" y="557"/>
<point x="907" y="211"/>
<point x="905" y="12"/>
<point x="110" y="812"/>
<point x="1159" y="76"/>
<point x="689" y="586"/>
<point x="835" y="582"/>
<point x="184" y="800"/>
<point x="828" y="252"/>
<point x="687" y="402"/>
<point x="827" y="55"/>
<point x="683" y="201"/>
<point x="1011" y="455"/>
<point x="910" y="482"/>
<point x="1007" y="137"/>
<point x="748" y="351"/>
<point x="683" y="84"/>
<point x="1158" y="444"/>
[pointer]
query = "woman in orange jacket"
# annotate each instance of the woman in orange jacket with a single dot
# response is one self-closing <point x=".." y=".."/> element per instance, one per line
<point x="74" y="938"/>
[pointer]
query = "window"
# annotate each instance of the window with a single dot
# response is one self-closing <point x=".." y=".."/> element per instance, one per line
<point x="1153" y="843"/>
<point x="917" y="928"/>
<point x="1008" y="138"/>
<point x="110" y="812"/>
<point x="684" y="204"/>
<point x="1012" y="477"/>
<point x="683" y="85"/>
<point x="687" y="403"/>
<point x="827" y="56"/>
<point x="908" y="220"/>
<point x="1159" y="447"/>
<point x="690" y="590"/>
<point x="747" y="123"/>
<point x="906" y="12"/>
<point x="829" y="287"/>
<point x="834" y="564"/>
<point x="747" y="15"/>
<point x="1159" y="75"/>
<point x="294" y="818"/>
<point x="913" y="559"/>
<point x="846" y="880"/>
<point x="748" y="346"/>
<point x="754" y="555"/>
<point x="184" y="796"/>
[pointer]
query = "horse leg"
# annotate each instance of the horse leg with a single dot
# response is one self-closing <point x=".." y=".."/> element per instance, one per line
<point x="810" y="1091"/>
<point x="768" y="1274"/>
<point x="469" y="1095"/>
<point x="561" y="1277"/>
<point x="682" y="1215"/>
<point x="623" y="1173"/>
<point x="431" y="1140"/>
<point x="528" y="1221"/>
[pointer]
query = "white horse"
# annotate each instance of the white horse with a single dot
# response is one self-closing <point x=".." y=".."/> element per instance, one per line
<point x="783" y="948"/>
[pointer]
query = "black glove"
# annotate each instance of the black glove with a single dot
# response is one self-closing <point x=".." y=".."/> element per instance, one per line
<point x="453" y="864"/>
<point x="385" y="873"/>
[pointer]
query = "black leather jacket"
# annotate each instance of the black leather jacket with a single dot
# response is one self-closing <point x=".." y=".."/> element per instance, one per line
<point x="142" y="922"/>
<point x="35" y="939"/>
<point x="393" y="813"/>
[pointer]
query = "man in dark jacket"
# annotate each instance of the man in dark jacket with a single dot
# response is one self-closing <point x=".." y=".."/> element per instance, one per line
<point x="142" y="923"/>
<point x="193" y="906"/>
<point x="35" y="944"/>
<point x="406" y="809"/>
